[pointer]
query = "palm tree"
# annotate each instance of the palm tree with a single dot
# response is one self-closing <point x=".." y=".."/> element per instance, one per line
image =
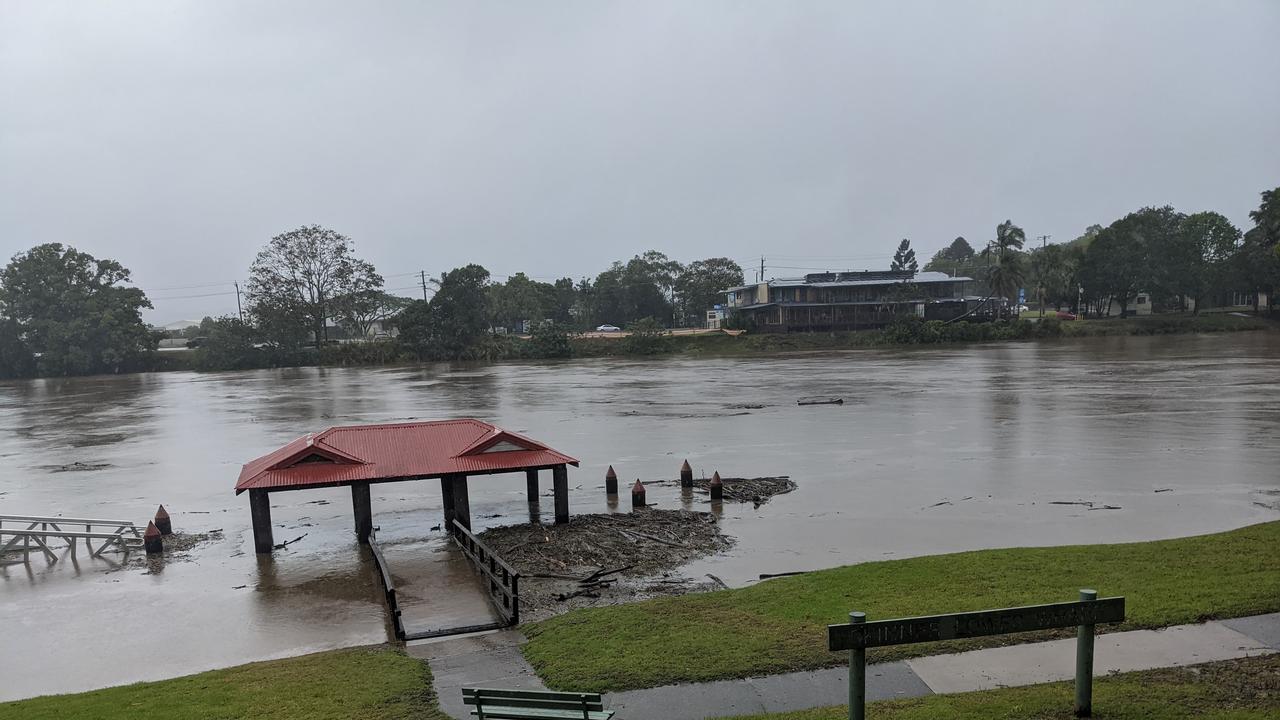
<point x="1008" y="237"/>
<point x="1006" y="275"/>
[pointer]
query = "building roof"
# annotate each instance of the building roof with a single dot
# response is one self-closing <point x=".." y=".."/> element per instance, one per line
<point x="856" y="278"/>
<point x="399" y="451"/>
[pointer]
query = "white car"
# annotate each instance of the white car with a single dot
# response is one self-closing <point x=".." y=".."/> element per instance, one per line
<point x="608" y="328"/>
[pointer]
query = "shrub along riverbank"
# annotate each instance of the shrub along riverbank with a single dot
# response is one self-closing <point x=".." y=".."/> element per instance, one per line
<point x="653" y="342"/>
<point x="780" y="625"/>
<point x="355" y="684"/>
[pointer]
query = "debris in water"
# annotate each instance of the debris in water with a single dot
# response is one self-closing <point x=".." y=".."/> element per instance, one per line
<point x="287" y="543"/>
<point x="1160" y="490"/>
<point x="820" y="401"/>
<point x="77" y="467"/>
<point x="605" y="559"/>
<point x="753" y="490"/>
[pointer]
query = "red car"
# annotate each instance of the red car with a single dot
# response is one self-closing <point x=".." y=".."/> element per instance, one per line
<point x="1064" y="315"/>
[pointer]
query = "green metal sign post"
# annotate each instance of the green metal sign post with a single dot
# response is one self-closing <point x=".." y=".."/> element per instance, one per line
<point x="857" y="635"/>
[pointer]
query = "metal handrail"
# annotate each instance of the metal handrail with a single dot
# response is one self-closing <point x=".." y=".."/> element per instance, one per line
<point x="76" y="521"/>
<point x="504" y="580"/>
<point x="388" y="585"/>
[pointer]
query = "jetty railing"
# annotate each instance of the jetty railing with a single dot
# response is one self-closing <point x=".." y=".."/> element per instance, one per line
<point x="503" y="580"/>
<point x="388" y="585"/>
<point x="25" y="531"/>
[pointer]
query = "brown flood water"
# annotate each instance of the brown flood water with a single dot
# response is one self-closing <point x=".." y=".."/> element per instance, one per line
<point x="997" y="431"/>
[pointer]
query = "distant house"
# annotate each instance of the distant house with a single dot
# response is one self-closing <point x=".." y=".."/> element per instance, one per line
<point x="848" y="300"/>
<point x="1139" y="304"/>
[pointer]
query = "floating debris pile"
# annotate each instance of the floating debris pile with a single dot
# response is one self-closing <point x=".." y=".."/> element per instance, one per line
<point x="606" y="559"/>
<point x="753" y="490"/>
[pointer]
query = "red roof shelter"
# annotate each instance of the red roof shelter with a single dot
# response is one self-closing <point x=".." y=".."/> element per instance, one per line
<point x="358" y="455"/>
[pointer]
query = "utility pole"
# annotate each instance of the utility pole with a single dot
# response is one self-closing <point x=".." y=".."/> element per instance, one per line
<point x="1044" y="240"/>
<point x="238" y="310"/>
<point x="423" y="274"/>
<point x="761" y="268"/>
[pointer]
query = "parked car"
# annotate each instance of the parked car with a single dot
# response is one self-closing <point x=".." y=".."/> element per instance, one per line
<point x="1064" y="315"/>
<point x="196" y="342"/>
<point x="608" y="328"/>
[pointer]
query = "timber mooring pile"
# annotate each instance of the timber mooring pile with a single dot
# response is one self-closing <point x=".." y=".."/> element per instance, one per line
<point x="606" y="559"/>
<point x="752" y="490"/>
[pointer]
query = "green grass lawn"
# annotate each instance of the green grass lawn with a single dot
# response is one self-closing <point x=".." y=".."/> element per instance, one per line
<point x="780" y="625"/>
<point x="356" y="684"/>
<point x="1234" y="690"/>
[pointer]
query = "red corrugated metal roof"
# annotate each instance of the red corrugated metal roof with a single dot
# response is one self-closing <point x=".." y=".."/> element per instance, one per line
<point x="356" y="453"/>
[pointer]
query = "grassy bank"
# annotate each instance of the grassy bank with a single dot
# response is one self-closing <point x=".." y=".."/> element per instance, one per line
<point x="356" y="684"/>
<point x="780" y="625"/>
<point x="1236" y="690"/>
<point x="921" y="333"/>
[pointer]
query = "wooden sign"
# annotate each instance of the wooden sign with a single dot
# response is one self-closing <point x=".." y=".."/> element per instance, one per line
<point x="879" y="633"/>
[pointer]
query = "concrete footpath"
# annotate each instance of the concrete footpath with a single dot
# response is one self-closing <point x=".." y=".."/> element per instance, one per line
<point x="494" y="660"/>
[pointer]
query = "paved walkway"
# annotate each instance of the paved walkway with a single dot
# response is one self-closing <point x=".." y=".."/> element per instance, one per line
<point x="494" y="660"/>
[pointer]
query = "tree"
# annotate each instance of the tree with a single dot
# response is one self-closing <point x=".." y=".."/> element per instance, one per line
<point x="549" y="340"/>
<point x="955" y="259"/>
<point x="230" y="344"/>
<point x="1009" y="238"/>
<point x="904" y="260"/>
<point x="959" y="250"/>
<point x="297" y="278"/>
<point x="1007" y="275"/>
<point x="358" y="311"/>
<point x="1198" y="258"/>
<point x="455" y="322"/>
<point x="701" y="285"/>
<point x="646" y="337"/>
<point x="518" y="301"/>
<point x="16" y="359"/>
<point x="1266" y="218"/>
<point x="71" y="310"/>
<point x="640" y="288"/>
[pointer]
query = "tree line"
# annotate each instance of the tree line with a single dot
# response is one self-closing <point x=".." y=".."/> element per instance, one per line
<point x="64" y="312"/>
<point x="1183" y="261"/>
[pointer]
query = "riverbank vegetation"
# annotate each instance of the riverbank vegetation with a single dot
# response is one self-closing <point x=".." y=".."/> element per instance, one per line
<point x="1247" y="689"/>
<point x="780" y="625"/>
<point x="310" y="299"/>
<point x="355" y="684"/>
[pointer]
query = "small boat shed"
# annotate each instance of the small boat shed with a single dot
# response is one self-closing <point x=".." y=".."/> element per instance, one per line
<point x="360" y="455"/>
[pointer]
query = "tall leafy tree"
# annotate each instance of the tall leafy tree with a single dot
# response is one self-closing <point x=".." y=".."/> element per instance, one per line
<point x="454" y="324"/>
<point x="297" y="278"/>
<point x="904" y="259"/>
<point x="358" y="311"/>
<point x="701" y="284"/>
<point x="1198" y="258"/>
<point x="1130" y="256"/>
<point x="74" y="311"/>
<point x="954" y="259"/>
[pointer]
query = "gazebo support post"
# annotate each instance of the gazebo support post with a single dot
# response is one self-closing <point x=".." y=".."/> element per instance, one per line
<point x="531" y="481"/>
<point x="363" y="509"/>
<point x="446" y="499"/>
<point x="560" y="483"/>
<point x="260" y="511"/>
<point x="461" y="503"/>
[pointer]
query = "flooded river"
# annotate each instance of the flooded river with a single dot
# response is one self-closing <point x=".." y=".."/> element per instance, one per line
<point x="934" y="450"/>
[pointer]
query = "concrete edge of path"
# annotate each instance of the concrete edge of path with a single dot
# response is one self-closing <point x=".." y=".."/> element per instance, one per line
<point x="1053" y="661"/>
<point x="495" y="660"/>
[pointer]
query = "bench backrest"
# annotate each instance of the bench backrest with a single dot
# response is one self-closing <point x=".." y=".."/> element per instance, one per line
<point x="540" y="699"/>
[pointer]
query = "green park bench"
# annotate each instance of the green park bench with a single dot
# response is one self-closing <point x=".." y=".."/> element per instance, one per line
<point x="534" y="704"/>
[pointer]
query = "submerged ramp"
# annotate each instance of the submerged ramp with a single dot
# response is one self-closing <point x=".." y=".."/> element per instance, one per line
<point x="432" y="589"/>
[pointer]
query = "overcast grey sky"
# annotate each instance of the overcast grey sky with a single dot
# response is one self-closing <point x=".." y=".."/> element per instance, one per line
<point x="555" y="137"/>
